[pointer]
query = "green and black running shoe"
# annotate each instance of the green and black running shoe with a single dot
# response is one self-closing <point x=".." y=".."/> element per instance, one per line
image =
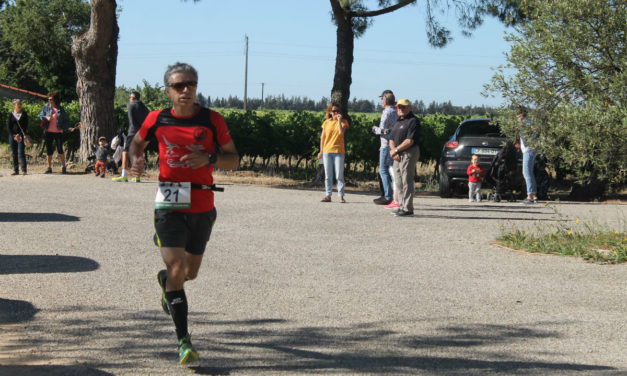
<point x="187" y="352"/>
<point x="161" y="277"/>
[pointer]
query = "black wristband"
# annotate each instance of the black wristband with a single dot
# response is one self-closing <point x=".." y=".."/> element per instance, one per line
<point x="213" y="158"/>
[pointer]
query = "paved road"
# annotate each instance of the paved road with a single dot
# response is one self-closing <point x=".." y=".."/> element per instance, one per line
<point x="294" y="286"/>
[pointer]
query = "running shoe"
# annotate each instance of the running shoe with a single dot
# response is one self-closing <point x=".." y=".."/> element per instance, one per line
<point x="121" y="179"/>
<point x="161" y="277"/>
<point x="135" y="180"/>
<point x="48" y="170"/>
<point x="187" y="352"/>
<point x="392" y="205"/>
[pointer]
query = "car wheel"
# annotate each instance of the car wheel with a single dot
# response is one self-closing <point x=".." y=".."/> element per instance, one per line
<point x="445" y="185"/>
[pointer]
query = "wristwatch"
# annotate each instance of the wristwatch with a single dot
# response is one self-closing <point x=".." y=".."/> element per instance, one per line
<point x="396" y="151"/>
<point x="213" y="158"/>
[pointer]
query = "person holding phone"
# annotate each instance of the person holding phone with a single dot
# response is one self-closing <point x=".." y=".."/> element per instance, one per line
<point x="332" y="151"/>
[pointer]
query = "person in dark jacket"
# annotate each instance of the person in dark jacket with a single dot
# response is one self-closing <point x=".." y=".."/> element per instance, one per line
<point x="102" y="153"/>
<point x="55" y="121"/>
<point x="16" y="126"/>
<point x="404" y="151"/>
<point x="137" y="113"/>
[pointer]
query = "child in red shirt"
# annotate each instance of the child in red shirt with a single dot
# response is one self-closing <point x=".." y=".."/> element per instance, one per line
<point x="475" y="176"/>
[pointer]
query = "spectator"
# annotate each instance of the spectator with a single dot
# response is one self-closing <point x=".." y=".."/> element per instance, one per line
<point x="529" y="157"/>
<point x="54" y="121"/>
<point x="102" y="153"/>
<point x="332" y="150"/>
<point x="388" y="117"/>
<point x="137" y="113"/>
<point x="475" y="176"/>
<point x="404" y="151"/>
<point x="16" y="125"/>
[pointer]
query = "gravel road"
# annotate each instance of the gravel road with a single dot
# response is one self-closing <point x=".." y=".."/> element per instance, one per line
<point x="293" y="286"/>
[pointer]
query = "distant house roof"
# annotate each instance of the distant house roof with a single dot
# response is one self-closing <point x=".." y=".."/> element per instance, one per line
<point x="13" y="92"/>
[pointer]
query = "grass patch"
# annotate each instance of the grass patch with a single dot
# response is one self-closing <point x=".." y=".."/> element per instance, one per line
<point x="591" y="241"/>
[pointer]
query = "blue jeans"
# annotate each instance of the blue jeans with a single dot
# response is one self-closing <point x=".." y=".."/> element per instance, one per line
<point x="529" y="158"/>
<point x="17" y="148"/>
<point x="333" y="163"/>
<point x="385" y="161"/>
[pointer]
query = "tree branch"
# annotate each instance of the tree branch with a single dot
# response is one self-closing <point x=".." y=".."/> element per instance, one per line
<point x="379" y="12"/>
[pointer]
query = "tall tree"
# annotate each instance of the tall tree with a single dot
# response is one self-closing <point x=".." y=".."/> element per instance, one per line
<point x="352" y="18"/>
<point x="95" y="52"/>
<point x="568" y="63"/>
<point x="35" y="44"/>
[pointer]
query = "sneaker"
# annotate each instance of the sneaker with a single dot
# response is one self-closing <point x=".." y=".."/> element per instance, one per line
<point x="161" y="277"/>
<point x="15" y="173"/>
<point x="97" y="174"/>
<point x="187" y="352"/>
<point x="135" y="180"/>
<point x="392" y="205"/>
<point x="397" y="211"/>
<point x="326" y="199"/>
<point x="63" y="170"/>
<point x="121" y="178"/>
<point x="471" y="200"/>
<point x="48" y="170"/>
<point x="403" y="213"/>
<point x="528" y="201"/>
<point x="102" y="176"/>
<point x="381" y="201"/>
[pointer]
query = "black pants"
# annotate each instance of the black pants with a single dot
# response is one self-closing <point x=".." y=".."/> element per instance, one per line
<point x="17" y="148"/>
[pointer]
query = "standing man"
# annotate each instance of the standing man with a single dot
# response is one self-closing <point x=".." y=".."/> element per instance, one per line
<point x="388" y="117"/>
<point x="404" y="151"/>
<point x="192" y="141"/>
<point x="137" y="113"/>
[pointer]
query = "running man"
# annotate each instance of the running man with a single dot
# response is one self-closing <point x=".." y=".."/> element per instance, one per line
<point x="192" y="141"/>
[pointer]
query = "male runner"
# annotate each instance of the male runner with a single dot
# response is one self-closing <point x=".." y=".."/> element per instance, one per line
<point x="192" y="140"/>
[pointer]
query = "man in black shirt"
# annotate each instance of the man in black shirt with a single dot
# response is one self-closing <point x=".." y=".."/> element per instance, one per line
<point x="137" y="113"/>
<point x="404" y="151"/>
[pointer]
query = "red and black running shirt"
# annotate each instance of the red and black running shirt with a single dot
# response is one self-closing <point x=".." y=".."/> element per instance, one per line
<point x="178" y="136"/>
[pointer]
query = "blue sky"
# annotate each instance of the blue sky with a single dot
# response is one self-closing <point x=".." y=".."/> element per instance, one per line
<point x="292" y="50"/>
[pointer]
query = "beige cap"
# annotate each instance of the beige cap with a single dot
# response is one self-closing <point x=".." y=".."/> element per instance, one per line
<point x="403" y="102"/>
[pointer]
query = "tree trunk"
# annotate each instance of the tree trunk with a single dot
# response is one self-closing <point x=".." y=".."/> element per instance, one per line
<point x="344" y="58"/>
<point x="95" y="52"/>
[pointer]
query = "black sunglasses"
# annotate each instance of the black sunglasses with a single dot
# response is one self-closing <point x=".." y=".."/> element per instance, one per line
<point x="179" y="86"/>
<point x="336" y="111"/>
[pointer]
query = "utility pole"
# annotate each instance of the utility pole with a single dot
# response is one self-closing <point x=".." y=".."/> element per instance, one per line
<point x="246" y="75"/>
<point x="262" y="93"/>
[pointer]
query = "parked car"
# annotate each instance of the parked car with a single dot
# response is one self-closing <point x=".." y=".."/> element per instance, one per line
<point x="473" y="136"/>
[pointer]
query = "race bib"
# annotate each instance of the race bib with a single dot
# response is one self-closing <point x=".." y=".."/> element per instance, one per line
<point x="173" y="195"/>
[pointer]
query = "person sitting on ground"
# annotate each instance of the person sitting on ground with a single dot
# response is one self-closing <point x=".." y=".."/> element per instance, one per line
<point x="102" y="153"/>
<point x="475" y="176"/>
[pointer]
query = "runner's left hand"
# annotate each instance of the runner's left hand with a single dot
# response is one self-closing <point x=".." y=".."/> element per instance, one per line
<point x="196" y="159"/>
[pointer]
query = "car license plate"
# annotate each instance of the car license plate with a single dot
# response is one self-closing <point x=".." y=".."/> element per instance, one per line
<point x="485" y="151"/>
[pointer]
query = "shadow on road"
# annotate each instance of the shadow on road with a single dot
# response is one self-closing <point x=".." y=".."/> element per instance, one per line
<point x="16" y="311"/>
<point x="22" y="264"/>
<point x="37" y="217"/>
<point x="49" y="370"/>
<point x="122" y="339"/>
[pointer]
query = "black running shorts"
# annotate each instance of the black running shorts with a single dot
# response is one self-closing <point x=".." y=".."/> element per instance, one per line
<point x="191" y="231"/>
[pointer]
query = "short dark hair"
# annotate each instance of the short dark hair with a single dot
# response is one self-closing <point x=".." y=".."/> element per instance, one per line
<point x="521" y="110"/>
<point x="390" y="100"/>
<point x="135" y="94"/>
<point x="178" y="68"/>
<point x="54" y="95"/>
